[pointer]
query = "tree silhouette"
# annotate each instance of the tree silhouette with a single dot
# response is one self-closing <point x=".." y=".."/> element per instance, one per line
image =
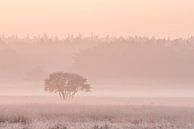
<point x="66" y="84"/>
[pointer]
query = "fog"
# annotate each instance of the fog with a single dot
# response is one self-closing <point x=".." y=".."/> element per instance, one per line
<point x="96" y="64"/>
<point x="127" y="48"/>
<point x="114" y="66"/>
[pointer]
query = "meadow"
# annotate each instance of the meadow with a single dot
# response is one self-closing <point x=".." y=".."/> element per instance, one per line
<point x="91" y="116"/>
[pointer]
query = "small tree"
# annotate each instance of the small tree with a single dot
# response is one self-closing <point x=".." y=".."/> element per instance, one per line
<point x="66" y="84"/>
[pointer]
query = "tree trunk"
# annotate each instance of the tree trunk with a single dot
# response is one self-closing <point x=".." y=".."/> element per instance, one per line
<point x="60" y="96"/>
<point x="63" y="95"/>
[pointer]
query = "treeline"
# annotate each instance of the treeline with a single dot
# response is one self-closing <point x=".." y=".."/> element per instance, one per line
<point x="128" y="60"/>
<point x="139" y="61"/>
<point x="92" y="39"/>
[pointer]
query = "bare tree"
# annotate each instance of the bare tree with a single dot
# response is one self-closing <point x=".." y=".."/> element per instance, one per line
<point x="66" y="84"/>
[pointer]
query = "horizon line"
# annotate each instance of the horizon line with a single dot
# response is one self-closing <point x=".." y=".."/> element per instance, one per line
<point x="82" y="36"/>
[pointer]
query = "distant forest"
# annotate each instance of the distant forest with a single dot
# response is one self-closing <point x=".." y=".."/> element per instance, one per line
<point x="103" y="60"/>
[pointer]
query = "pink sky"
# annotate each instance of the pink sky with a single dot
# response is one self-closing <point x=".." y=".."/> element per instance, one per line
<point x="160" y="18"/>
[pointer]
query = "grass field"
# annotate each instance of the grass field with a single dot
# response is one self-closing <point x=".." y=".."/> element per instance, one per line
<point x="85" y="116"/>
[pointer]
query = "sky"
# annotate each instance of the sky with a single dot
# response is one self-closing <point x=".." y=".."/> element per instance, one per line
<point x="159" y="18"/>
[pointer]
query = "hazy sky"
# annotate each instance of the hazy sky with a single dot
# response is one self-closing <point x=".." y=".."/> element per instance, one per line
<point x="161" y="18"/>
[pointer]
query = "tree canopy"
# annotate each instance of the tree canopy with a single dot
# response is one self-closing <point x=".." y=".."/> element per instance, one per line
<point x="66" y="84"/>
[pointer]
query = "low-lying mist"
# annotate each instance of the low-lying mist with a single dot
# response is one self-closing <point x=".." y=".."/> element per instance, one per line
<point x="114" y="66"/>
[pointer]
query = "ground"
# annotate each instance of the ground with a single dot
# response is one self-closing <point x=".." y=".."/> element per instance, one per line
<point x="95" y="116"/>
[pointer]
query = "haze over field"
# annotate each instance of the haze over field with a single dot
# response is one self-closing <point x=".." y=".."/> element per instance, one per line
<point x="96" y="64"/>
<point x="96" y="38"/>
<point x="133" y="66"/>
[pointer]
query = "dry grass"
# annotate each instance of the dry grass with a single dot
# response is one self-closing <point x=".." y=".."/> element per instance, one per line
<point x="95" y="117"/>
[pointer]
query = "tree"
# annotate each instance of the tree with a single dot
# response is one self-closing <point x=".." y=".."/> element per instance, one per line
<point x="66" y="84"/>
